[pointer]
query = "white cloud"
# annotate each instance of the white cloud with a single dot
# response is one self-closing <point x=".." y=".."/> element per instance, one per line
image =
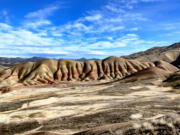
<point x="97" y="52"/>
<point x="106" y="44"/>
<point x="134" y="17"/>
<point x="43" y="13"/>
<point x="78" y="26"/>
<point x="115" y="9"/>
<point x="130" y="40"/>
<point x="36" y="24"/>
<point x="110" y="38"/>
<point x="134" y="29"/>
<point x="117" y="28"/>
<point x="20" y="36"/>
<point x="110" y="18"/>
<point x="114" y="20"/>
<point x="4" y="26"/>
<point x="94" y="17"/>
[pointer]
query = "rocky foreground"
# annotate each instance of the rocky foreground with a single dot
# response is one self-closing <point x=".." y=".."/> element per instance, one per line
<point x="92" y="108"/>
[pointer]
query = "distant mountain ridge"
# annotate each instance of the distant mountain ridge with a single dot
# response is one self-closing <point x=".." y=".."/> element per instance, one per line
<point x="4" y="61"/>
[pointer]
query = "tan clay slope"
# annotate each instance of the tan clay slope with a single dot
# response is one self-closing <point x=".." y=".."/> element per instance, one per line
<point x="161" y="70"/>
<point x="48" y="71"/>
<point x="1" y="68"/>
<point x="169" y="54"/>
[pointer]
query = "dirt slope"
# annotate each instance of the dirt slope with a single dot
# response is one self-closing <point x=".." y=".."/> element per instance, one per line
<point x="173" y="81"/>
<point x="169" y="54"/>
<point x="1" y="68"/>
<point x="161" y="70"/>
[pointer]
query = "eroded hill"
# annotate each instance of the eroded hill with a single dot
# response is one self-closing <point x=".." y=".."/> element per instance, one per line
<point x="50" y="71"/>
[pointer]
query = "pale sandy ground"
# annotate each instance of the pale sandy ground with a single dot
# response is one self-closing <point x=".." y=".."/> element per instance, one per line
<point x="76" y="108"/>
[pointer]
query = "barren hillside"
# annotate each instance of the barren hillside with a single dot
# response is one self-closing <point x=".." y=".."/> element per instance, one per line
<point x="169" y="54"/>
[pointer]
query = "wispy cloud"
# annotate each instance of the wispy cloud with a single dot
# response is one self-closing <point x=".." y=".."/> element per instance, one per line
<point x="4" y="26"/>
<point x="130" y="40"/>
<point x="36" y="24"/>
<point x="39" y="19"/>
<point x="43" y="13"/>
<point x="94" y="17"/>
<point x="151" y="0"/>
<point x="98" y="33"/>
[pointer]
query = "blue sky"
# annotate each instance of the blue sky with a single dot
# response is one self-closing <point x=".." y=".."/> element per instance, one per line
<point x="86" y="28"/>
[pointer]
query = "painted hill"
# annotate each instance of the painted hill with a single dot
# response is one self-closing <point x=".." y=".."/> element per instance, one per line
<point x="169" y="54"/>
<point x="49" y="71"/>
